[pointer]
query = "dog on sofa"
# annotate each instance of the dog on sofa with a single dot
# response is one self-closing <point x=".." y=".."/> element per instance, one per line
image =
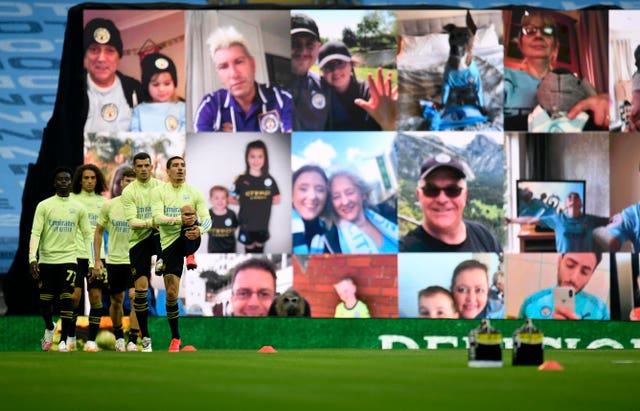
<point x="461" y="82"/>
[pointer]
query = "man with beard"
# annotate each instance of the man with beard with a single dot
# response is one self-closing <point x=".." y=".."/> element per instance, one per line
<point x="574" y="270"/>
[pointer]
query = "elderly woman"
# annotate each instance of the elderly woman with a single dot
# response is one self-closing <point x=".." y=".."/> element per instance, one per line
<point x="309" y="198"/>
<point x="470" y="289"/>
<point x="538" y="42"/>
<point x="355" y="104"/>
<point x="357" y="229"/>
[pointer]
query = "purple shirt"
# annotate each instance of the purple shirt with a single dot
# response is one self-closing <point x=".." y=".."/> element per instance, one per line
<point x="220" y="107"/>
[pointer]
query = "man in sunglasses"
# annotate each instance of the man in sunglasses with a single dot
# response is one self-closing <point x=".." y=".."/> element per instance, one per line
<point x="442" y="193"/>
<point x="539" y="43"/>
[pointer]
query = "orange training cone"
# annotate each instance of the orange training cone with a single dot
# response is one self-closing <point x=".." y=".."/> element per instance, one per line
<point x="550" y="366"/>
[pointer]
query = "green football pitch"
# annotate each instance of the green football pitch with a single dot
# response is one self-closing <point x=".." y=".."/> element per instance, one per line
<point x="314" y="380"/>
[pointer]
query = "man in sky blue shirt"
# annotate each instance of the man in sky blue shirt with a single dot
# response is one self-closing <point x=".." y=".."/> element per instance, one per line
<point x="574" y="270"/>
<point x="573" y="229"/>
<point x="626" y="228"/>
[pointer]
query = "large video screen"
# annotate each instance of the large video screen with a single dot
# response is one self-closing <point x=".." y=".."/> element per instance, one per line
<point x="370" y="156"/>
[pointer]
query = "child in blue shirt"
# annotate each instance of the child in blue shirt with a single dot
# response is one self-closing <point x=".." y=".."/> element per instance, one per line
<point x="163" y="110"/>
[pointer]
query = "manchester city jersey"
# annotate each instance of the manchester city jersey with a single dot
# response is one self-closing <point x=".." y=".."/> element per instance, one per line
<point x="109" y="110"/>
<point x="540" y="306"/>
<point x="255" y="195"/>
<point x="159" y="117"/>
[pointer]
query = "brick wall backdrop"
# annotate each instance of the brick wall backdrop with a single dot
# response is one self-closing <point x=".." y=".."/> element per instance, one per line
<point x="376" y="277"/>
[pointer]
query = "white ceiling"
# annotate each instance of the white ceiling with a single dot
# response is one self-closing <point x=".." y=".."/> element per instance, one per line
<point x="624" y="20"/>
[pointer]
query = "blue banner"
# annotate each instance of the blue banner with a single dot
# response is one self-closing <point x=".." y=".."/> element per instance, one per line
<point x="31" y="38"/>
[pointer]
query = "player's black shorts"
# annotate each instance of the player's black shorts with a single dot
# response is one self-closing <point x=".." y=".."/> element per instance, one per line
<point x="250" y="237"/>
<point x="131" y="283"/>
<point x="140" y="257"/>
<point x="83" y="270"/>
<point x="174" y="255"/>
<point x="57" y="278"/>
<point x="119" y="277"/>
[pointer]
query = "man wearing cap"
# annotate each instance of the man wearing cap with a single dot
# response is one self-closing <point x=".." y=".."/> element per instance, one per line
<point x="339" y="79"/>
<point x="244" y="104"/>
<point x="442" y="193"/>
<point x="355" y="104"/>
<point x="111" y="95"/>
<point x="309" y="99"/>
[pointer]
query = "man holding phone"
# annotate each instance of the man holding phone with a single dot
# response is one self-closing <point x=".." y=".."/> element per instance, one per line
<point x="574" y="272"/>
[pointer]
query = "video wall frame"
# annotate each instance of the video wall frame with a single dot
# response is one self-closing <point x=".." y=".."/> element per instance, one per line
<point x="372" y="175"/>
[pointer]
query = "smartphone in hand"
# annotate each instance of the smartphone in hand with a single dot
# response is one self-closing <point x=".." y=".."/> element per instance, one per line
<point x="564" y="297"/>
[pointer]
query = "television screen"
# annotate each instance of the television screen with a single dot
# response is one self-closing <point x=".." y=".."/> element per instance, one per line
<point x="539" y="198"/>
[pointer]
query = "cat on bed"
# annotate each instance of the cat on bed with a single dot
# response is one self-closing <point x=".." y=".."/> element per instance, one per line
<point x="461" y="83"/>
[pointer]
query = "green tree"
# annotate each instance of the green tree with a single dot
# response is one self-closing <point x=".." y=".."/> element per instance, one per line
<point x="368" y="28"/>
<point x="349" y="38"/>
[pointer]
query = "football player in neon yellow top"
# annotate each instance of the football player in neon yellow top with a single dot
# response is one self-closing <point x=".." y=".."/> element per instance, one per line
<point x="136" y="200"/>
<point x="87" y="187"/>
<point x="113" y="219"/>
<point x="52" y="263"/>
<point x="177" y="207"/>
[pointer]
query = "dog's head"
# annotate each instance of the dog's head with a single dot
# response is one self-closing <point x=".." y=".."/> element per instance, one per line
<point x="290" y="304"/>
<point x="461" y="42"/>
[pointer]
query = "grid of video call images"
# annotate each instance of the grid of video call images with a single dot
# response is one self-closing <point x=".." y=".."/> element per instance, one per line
<point x="393" y="163"/>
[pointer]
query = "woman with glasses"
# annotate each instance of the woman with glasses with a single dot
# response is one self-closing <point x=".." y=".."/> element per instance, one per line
<point x="539" y="43"/>
<point x="355" y="104"/>
<point x="470" y="289"/>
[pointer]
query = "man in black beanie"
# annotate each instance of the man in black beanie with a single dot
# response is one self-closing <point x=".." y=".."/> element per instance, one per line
<point x="111" y="95"/>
